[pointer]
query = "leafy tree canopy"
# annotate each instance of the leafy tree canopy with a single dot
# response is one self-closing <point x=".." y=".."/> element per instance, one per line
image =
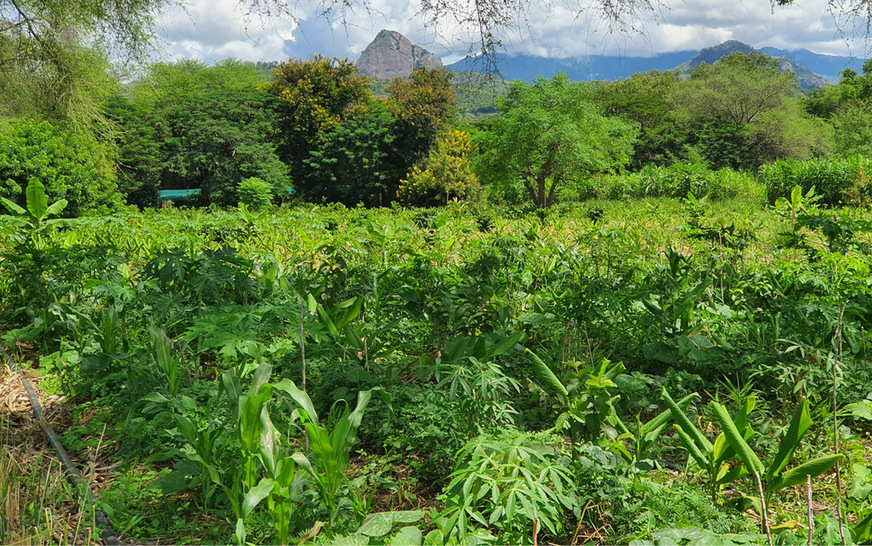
<point x="550" y="133"/>
<point x="71" y="167"/>
<point x="746" y="112"/>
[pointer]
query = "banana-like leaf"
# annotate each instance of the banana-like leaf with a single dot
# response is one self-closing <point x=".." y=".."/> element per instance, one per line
<point x="37" y="202"/>
<point x="796" y="476"/>
<point x="736" y="439"/>
<point x="545" y="374"/>
<point x="664" y="417"/>
<point x="800" y="423"/>
<point x="56" y="207"/>
<point x="701" y="458"/>
<point x="12" y="207"/>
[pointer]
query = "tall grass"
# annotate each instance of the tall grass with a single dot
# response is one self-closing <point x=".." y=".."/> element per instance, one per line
<point x="835" y="180"/>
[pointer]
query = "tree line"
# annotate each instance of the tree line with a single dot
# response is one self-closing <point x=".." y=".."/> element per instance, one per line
<point x="314" y="130"/>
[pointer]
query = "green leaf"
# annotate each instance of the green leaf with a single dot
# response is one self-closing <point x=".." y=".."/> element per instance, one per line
<point x="255" y="495"/>
<point x="861" y="483"/>
<point x="56" y="207"/>
<point x="377" y="525"/>
<point x="12" y="207"/>
<point x="37" y="202"/>
<point x="546" y="375"/>
<point x="736" y="439"/>
<point x="796" y="476"/>
<point x="156" y="397"/>
<point x="407" y="536"/>
<point x="800" y="423"/>
<point x="683" y="422"/>
<point x="859" y="410"/>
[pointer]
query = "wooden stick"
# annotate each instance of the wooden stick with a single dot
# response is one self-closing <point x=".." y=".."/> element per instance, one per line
<point x="810" y="513"/>
<point x="763" y="508"/>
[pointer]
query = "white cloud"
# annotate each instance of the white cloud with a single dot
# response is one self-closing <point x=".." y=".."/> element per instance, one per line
<point x="215" y="29"/>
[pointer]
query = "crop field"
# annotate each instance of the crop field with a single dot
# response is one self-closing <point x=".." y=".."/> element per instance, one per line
<point x="648" y="371"/>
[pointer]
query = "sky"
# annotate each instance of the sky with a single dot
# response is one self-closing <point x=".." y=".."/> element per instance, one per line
<point x="211" y="30"/>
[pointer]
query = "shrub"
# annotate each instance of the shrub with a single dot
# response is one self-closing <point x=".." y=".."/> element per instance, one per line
<point x="675" y="181"/>
<point x="255" y="192"/>
<point x="837" y="181"/>
<point x="447" y="174"/>
<point x="71" y="167"/>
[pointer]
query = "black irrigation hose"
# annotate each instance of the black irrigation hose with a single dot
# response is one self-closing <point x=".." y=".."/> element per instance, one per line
<point x="107" y="532"/>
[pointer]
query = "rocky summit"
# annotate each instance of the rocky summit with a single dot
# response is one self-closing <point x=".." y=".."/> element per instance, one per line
<point x="391" y="55"/>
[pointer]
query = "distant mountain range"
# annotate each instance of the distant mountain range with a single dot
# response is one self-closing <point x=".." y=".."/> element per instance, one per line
<point x="813" y="70"/>
<point x="391" y="54"/>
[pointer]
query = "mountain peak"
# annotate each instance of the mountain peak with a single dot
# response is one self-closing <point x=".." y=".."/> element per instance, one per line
<point x="391" y="55"/>
<point x="710" y="55"/>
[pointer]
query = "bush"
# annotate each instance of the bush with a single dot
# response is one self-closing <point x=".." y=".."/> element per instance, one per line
<point x="837" y="181"/>
<point x="447" y="175"/>
<point x="675" y="181"/>
<point x="255" y="192"/>
<point x="71" y="167"/>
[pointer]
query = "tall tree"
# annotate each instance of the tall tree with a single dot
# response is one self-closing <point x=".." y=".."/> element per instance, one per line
<point x="745" y="104"/>
<point x="215" y="127"/>
<point x="642" y="99"/>
<point x="423" y="105"/>
<point x="314" y="98"/>
<point x="550" y="133"/>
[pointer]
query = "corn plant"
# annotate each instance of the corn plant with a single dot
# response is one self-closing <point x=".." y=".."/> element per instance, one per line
<point x="329" y="449"/>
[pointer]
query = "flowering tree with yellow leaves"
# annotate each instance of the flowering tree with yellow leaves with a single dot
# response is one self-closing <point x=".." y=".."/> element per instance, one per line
<point x="447" y="174"/>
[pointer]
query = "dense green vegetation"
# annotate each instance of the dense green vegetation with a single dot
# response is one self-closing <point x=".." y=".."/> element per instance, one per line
<point x="610" y="312"/>
<point x="462" y="373"/>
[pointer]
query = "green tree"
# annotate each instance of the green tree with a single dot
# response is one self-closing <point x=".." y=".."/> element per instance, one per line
<point x="423" y="104"/>
<point x="744" y="102"/>
<point x="356" y="161"/>
<point x="71" y="167"/>
<point x="214" y="126"/>
<point x="447" y="174"/>
<point x="137" y="139"/>
<point x="314" y="98"/>
<point x="643" y="99"/>
<point x="848" y="109"/>
<point x="550" y="133"/>
<point x="54" y="63"/>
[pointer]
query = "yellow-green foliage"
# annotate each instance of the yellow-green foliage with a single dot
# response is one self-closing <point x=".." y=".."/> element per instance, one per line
<point x="447" y="174"/>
